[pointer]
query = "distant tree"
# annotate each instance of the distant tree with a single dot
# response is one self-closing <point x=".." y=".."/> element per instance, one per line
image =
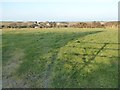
<point x="2" y="26"/>
<point x="13" y="25"/>
<point x="96" y="24"/>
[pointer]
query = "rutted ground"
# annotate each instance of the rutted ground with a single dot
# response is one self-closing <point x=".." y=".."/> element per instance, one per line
<point x="10" y="78"/>
<point x="57" y="57"/>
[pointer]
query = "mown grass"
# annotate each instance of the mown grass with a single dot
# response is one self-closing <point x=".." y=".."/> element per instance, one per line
<point x="63" y="57"/>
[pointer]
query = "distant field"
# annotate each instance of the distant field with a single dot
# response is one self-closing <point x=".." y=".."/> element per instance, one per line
<point x="60" y="57"/>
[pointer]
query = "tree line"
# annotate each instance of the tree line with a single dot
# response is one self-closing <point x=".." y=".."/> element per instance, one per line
<point x="36" y="24"/>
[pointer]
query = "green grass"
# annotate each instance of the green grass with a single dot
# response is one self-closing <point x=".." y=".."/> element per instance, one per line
<point x="63" y="57"/>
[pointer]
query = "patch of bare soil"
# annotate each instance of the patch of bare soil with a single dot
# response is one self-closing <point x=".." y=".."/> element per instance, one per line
<point x="9" y="78"/>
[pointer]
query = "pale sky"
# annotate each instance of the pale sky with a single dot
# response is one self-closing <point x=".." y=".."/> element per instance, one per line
<point x="59" y="10"/>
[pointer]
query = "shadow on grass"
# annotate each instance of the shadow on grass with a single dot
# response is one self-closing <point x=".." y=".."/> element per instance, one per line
<point x="40" y="54"/>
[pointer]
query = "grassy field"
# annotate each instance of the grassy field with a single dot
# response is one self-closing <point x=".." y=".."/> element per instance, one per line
<point x="60" y="57"/>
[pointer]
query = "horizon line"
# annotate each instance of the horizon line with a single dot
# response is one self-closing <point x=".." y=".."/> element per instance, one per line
<point x="56" y="21"/>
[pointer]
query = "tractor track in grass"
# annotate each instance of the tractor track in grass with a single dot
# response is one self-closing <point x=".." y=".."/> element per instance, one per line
<point x="9" y="79"/>
<point x="47" y="74"/>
